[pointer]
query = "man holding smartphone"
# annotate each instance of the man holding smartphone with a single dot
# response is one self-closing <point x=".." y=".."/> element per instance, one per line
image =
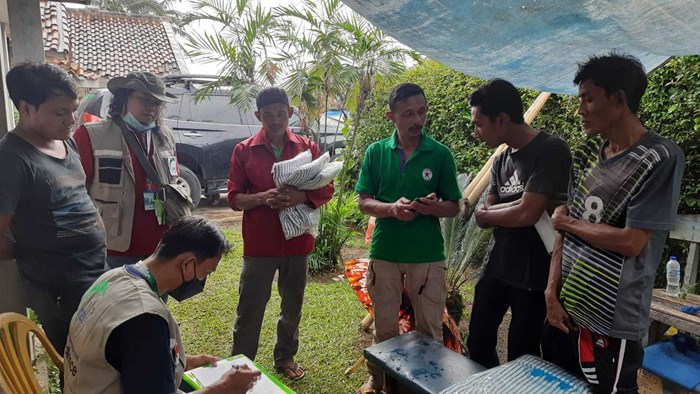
<point x="407" y="181"/>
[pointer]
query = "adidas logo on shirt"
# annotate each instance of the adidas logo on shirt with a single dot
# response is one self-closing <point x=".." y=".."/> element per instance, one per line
<point x="513" y="185"/>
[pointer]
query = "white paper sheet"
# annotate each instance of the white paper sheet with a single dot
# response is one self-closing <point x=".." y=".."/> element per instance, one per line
<point x="208" y="375"/>
<point x="546" y="231"/>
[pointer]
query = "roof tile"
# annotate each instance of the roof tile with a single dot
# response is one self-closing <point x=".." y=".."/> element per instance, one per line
<point x="105" y="44"/>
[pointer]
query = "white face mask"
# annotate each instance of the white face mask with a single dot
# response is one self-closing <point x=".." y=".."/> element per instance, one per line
<point x="136" y="125"/>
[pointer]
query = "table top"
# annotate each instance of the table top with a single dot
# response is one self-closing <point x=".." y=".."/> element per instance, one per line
<point x="420" y="363"/>
<point x="666" y="309"/>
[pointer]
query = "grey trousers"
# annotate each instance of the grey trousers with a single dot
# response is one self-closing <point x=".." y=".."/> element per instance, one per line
<point x="254" y="293"/>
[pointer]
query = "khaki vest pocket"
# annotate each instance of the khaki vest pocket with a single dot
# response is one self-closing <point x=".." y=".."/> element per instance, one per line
<point x="111" y="213"/>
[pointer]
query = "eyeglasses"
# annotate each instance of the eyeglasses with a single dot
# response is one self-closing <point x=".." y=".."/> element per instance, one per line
<point x="148" y="102"/>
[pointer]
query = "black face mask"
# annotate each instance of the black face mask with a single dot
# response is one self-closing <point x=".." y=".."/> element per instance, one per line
<point x="189" y="288"/>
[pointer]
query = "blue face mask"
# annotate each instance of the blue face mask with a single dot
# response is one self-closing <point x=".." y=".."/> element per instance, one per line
<point x="135" y="124"/>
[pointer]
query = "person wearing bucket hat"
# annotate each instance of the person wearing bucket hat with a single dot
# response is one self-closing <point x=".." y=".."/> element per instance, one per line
<point x="128" y="200"/>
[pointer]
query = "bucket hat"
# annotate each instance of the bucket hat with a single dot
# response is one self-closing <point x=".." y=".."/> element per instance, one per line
<point x="143" y="82"/>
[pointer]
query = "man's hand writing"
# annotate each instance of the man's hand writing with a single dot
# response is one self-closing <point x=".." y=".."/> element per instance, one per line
<point x="236" y="381"/>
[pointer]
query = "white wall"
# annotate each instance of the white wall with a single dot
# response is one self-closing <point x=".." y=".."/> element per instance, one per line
<point x="6" y="118"/>
<point x="6" y="107"/>
<point x="10" y="299"/>
<point x="25" y="27"/>
<point x="3" y="12"/>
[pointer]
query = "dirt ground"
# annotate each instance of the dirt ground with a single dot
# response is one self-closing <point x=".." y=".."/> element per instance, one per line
<point x="220" y="214"/>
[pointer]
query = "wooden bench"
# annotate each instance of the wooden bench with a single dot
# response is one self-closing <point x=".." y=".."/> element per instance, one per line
<point x="665" y="309"/>
<point x="665" y="312"/>
<point x="415" y="363"/>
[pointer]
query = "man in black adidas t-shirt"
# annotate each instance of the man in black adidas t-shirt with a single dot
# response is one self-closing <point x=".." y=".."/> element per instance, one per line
<point x="525" y="181"/>
<point x="623" y="198"/>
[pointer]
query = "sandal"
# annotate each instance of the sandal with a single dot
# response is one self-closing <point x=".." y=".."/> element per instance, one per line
<point x="292" y="370"/>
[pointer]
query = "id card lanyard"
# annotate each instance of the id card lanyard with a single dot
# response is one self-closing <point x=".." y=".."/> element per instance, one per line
<point x="152" y="202"/>
<point x="151" y="199"/>
<point x="148" y="143"/>
<point x="149" y="195"/>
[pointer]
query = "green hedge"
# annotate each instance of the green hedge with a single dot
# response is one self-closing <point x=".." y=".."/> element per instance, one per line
<point x="670" y="106"/>
<point x="449" y="117"/>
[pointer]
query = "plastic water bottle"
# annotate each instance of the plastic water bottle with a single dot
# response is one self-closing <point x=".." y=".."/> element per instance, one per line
<point x="673" y="277"/>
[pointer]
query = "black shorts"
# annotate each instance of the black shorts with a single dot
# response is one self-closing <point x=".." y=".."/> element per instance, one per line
<point x="608" y="364"/>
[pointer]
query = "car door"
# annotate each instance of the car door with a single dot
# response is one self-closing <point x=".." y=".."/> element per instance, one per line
<point x="209" y="129"/>
<point x="171" y="112"/>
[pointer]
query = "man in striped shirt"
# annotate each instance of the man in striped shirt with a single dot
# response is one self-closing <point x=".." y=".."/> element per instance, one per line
<point x="623" y="197"/>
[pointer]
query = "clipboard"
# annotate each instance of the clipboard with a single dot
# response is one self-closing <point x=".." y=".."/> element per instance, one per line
<point x="202" y="377"/>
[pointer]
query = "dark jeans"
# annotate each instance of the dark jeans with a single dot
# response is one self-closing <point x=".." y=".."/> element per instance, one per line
<point x="492" y="298"/>
<point x="254" y="293"/>
<point x="54" y="312"/>
<point x="610" y="364"/>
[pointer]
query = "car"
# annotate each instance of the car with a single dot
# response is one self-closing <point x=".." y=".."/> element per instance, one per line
<point x="206" y="131"/>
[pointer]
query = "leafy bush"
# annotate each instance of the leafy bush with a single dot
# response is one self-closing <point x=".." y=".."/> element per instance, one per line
<point x="334" y="230"/>
<point x="671" y="106"/>
<point x="465" y="247"/>
<point x="448" y="121"/>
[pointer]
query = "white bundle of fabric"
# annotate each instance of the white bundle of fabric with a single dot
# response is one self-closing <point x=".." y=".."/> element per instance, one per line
<point x="303" y="173"/>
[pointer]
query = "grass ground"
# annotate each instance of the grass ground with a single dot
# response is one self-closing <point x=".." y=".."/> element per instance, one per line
<point x="330" y="338"/>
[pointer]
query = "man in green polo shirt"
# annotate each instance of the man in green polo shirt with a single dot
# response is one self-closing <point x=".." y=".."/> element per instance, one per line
<point x="408" y="181"/>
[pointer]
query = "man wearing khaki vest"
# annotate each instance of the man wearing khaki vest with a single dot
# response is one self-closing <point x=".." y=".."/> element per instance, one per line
<point x="123" y="339"/>
<point x="116" y="180"/>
